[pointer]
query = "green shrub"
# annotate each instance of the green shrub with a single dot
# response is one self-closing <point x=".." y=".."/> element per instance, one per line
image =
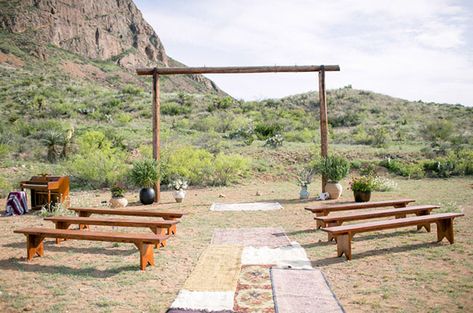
<point x="334" y="167"/>
<point x="202" y="168"/>
<point x="173" y="108"/>
<point x="220" y="103"/>
<point x="97" y="164"/>
<point x="194" y="164"/>
<point x="264" y="131"/>
<point x="409" y="170"/>
<point x="275" y="141"/>
<point x="145" y="173"/>
<point x="132" y="90"/>
<point x="227" y="169"/>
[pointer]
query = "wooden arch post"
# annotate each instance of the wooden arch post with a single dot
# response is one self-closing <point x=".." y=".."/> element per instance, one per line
<point x="323" y="121"/>
<point x="156" y="131"/>
<point x="156" y="71"/>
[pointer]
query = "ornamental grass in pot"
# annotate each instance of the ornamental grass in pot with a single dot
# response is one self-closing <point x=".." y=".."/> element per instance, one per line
<point x="118" y="199"/>
<point x="335" y="168"/>
<point x="362" y="187"/>
<point x="144" y="174"/>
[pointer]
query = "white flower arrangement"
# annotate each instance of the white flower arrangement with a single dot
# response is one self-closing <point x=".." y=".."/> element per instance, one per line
<point x="178" y="184"/>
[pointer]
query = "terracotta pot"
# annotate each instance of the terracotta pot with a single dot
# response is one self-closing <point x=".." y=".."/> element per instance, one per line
<point x="179" y="195"/>
<point x="334" y="190"/>
<point x="118" y="202"/>
<point x="362" y="196"/>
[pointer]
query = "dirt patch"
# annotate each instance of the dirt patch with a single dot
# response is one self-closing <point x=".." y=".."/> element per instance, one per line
<point x="10" y="59"/>
<point x="83" y="71"/>
<point x="402" y="270"/>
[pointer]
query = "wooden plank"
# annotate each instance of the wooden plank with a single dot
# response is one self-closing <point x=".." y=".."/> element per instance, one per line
<point x="376" y="214"/>
<point x="388" y="224"/>
<point x="323" y="121"/>
<point x="129" y="212"/>
<point x="156" y="130"/>
<point x="93" y="235"/>
<point x="235" y="69"/>
<point x="359" y="205"/>
<point x="112" y="221"/>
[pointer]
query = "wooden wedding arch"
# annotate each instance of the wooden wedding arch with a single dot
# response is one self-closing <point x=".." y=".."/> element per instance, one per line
<point x="157" y="71"/>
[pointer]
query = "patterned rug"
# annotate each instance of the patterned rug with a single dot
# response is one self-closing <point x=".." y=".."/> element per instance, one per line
<point x="254" y="292"/>
<point x="254" y="206"/>
<point x="254" y="237"/>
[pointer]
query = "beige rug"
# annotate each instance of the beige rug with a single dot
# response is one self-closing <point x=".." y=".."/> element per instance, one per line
<point x="218" y="269"/>
<point x="253" y="206"/>
<point x="303" y="291"/>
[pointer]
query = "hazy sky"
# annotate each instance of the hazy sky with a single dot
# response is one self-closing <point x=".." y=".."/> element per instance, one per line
<point x="413" y="49"/>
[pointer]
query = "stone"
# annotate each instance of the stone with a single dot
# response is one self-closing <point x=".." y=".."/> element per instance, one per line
<point x="258" y="193"/>
<point x="221" y="195"/>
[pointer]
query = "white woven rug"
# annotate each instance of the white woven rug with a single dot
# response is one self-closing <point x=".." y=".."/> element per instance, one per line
<point x="253" y="206"/>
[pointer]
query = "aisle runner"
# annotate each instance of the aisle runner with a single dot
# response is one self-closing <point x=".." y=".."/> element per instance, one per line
<point x="233" y="275"/>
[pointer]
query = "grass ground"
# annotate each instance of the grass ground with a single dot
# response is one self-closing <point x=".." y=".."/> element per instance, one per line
<point x="391" y="271"/>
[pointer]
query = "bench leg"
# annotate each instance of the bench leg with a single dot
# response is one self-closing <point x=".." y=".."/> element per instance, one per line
<point x="173" y="227"/>
<point x="160" y="231"/>
<point x="320" y="224"/>
<point x="84" y="214"/>
<point x="330" y="237"/>
<point x="344" y="246"/>
<point x="34" y="245"/>
<point x="146" y="255"/>
<point x="445" y="230"/>
<point x="427" y="225"/>
<point x="61" y="225"/>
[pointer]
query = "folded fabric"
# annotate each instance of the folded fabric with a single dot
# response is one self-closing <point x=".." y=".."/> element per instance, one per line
<point x="17" y="203"/>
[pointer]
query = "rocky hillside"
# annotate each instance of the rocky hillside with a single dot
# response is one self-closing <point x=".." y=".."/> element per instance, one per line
<point x="106" y="30"/>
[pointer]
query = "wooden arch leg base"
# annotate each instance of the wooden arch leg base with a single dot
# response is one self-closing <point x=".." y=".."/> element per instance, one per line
<point x="146" y="255"/>
<point x="34" y="246"/>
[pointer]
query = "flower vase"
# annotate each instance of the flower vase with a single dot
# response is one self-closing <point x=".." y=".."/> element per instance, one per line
<point x="179" y="195"/>
<point x="304" y="194"/>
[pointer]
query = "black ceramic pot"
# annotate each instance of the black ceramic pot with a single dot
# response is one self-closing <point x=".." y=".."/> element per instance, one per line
<point x="361" y="196"/>
<point x="147" y="195"/>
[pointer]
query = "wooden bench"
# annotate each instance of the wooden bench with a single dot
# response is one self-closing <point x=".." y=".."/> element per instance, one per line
<point x="324" y="210"/>
<point x="86" y="212"/>
<point x="337" y="220"/>
<point x="344" y="234"/>
<point x="157" y="227"/>
<point x="144" y="242"/>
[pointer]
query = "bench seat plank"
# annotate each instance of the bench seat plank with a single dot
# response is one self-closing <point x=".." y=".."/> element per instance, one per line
<point x="359" y="205"/>
<point x="158" y="227"/>
<point x="130" y="212"/>
<point x="144" y="242"/>
<point x="344" y="234"/>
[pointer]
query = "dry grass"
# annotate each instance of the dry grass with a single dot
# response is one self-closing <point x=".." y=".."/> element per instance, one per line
<point x="400" y="270"/>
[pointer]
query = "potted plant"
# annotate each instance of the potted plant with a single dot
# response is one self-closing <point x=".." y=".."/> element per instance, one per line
<point x="335" y="168"/>
<point x="304" y="180"/>
<point x="144" y="174"/>
<point x="179" y="185"/>
<point x="362" y="187"/>
<point x="118" y="199"/>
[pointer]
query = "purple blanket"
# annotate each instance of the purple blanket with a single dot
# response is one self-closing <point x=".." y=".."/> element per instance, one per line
<point x="17" y="203"/>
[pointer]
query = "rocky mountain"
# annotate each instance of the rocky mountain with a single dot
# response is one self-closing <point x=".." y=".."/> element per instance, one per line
<point x="106" y="30"/>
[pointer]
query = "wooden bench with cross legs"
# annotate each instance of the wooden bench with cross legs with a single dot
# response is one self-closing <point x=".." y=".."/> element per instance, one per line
<point x="144" y="242"/>
<point x="344" y="234"/>
<point x="337" y="220"/>
<point x="324" y="210"/>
